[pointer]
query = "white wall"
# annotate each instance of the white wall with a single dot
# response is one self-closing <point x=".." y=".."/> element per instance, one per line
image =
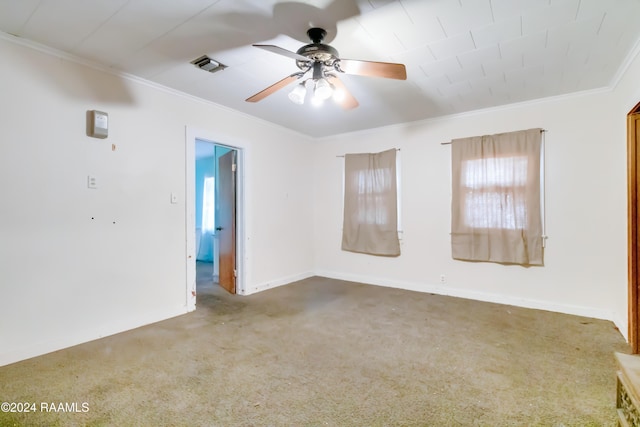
<point x="66" y="278"/>
<point x="77" y="264"/>
<point x="585" y="268"/>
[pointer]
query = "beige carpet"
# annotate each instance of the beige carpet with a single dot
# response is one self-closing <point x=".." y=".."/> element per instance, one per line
<point x="323" y="352"/>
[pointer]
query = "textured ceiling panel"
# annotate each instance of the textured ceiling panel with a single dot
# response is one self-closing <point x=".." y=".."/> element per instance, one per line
<point x="497" y="32"/>
<point x="64" y="24"/>
<point x="460" y="55"/>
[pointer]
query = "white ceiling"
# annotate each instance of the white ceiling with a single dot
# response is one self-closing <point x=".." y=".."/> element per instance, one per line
<point x="460" y="55"/>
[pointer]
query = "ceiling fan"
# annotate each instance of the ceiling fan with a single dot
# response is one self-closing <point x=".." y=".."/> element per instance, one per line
<point x="323" y="63"/>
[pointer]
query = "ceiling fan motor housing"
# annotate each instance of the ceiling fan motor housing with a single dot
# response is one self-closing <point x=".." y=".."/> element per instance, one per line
<point x="317" y="51"/>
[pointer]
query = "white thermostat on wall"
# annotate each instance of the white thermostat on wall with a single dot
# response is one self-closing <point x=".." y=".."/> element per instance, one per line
<point x="97" y="124"/>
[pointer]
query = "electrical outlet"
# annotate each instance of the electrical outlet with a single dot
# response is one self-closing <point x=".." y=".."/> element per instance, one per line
<point x="92" y="181"/>
<point x="443" y="279"/>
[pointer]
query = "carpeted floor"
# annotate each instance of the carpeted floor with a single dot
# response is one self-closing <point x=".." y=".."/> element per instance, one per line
<point x="323" y="352"/>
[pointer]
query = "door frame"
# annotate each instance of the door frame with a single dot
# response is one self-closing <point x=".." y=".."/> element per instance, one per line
<point x="241" y="147"/>
<point x="633" y="229"/>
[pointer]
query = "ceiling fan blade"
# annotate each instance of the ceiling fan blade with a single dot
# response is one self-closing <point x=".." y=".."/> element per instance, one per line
<point x="373" y="69"/>
<point x="345" y="99"/>
<point x="273" y="88"/>
<point x="281" y="51"/>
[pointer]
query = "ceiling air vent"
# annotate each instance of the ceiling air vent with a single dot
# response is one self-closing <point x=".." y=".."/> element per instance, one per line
<point x="208" y="64"/>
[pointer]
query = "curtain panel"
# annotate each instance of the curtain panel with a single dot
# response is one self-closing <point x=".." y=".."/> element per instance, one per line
<point x="370" y="223"/>
<point x="495" y="209"/>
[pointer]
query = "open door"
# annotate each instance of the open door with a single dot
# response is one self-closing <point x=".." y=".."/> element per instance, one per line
<point x="226" y="220"/>
<point x="633" y="177"/>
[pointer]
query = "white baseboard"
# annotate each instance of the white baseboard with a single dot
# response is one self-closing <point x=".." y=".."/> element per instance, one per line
<point x="622" y="325"/>
<point x="118" y="326"/>
<point x="278" y="282"/>
<point x="115" y="325"/>
<point x="591" y="312"/>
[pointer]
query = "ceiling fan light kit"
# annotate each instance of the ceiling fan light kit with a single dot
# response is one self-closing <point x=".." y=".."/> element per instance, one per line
<point x="324" y="64"/>
<point x="323" y="89"/>
<point x="298" y="93"/>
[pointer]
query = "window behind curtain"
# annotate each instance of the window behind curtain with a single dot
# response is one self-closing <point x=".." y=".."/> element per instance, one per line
<point x="495" y="191"/>
<point x="496" y="198"/>
<point x="370" y="204"/>
<point x="372" y="187"/>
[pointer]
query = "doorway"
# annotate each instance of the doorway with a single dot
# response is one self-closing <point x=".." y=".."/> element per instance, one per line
<point x="633" y="187"/>
<point x="214" y="216"/>
<point x="214" y="206"/>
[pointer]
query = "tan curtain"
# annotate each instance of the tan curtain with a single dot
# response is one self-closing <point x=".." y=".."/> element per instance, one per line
<point x="370" y="204"/>
<point x="496" y="198"/>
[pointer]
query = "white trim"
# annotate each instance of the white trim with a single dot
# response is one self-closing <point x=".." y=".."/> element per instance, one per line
<point x="190" y="220"/>
<point x="440" y="289"/>
<point x="543" y="187"/>
<point x="242" y="149"/>
<point x="399" y="226"/>
<point x="278" y="282"/>
<point x="72" y="58"/>
<point x="115" y="326"/>
<point x="359" y="134"/>
<point x="622" y="325"/>
<point x="622" y="70"/>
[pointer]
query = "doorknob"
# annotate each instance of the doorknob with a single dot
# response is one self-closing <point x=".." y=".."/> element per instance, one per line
<point x="218" y="228"/>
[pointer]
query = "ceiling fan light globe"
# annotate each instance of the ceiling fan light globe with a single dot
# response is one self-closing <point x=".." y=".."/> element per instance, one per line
<point x="323" y="89"/>
<point x="298" y="94"/>
<point x="316" y="102"/>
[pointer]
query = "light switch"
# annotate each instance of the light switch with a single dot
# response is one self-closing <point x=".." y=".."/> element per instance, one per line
<point x="174" y="198"/>
<point x="92" y="181"/>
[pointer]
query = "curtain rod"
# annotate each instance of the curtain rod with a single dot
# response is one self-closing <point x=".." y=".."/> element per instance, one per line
<point x="397" y="149"/>
<point x="449" y="143"/>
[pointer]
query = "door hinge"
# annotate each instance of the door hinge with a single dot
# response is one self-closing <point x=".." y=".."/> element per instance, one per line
<point x="233" y="167"/>
<point x="235" y="273"/>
